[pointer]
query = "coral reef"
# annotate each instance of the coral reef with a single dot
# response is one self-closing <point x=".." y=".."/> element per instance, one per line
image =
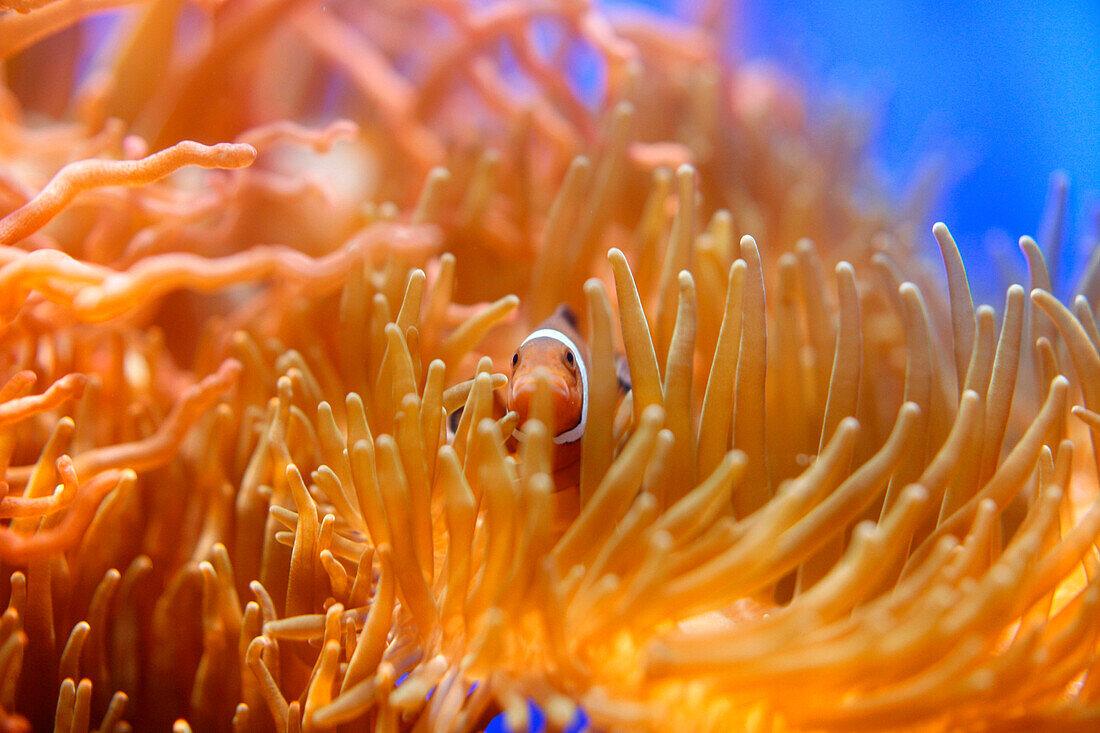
<point x="254" y="253"/>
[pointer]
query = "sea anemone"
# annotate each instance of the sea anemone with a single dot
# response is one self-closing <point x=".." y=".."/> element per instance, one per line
<point x="834" y="497"/>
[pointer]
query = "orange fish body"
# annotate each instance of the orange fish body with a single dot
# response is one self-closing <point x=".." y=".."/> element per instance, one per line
<point x="556" y="350"/>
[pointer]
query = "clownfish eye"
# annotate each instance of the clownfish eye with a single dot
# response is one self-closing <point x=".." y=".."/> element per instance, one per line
<point x="515" y="359"/>
<point x="569" y="359"/>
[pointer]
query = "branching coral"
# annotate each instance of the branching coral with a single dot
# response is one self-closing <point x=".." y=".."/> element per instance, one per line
<point x="835" y="497"/>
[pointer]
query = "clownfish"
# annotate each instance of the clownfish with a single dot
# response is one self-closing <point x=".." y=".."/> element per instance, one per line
<point x="557" y="354"/>
<point x="556" y="349"/>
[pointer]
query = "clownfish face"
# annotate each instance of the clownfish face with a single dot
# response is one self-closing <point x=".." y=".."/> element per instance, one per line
<point x="555" y="356"/>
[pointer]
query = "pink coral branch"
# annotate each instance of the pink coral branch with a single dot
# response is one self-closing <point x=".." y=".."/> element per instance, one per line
<point x="18" y="385"/>
<point x="85" y="174"/>
<point x="18" y="506"/>
<point x="66" y="388"/>
<point x="98" y="293"/>
<point x="319" y="139"/>
<point x="161" y="446"/>
<point x="17" y="548"/>
<point x="157" y="275"/>
<point x="22" y="30"/>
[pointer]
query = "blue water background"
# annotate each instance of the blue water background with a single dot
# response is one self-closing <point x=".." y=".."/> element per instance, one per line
<point x="1006" y="91"/>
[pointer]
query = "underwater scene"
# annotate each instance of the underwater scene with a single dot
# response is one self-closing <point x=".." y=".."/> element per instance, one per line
<point x="549" y="365"/>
